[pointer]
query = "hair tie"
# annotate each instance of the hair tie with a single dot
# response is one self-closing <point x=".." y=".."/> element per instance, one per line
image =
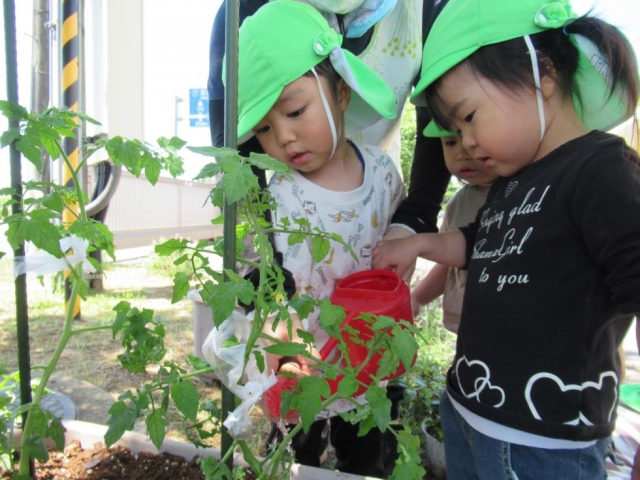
<point x="564" y="30"/>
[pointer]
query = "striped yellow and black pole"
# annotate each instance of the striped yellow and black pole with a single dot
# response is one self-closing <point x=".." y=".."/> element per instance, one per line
<point x="70" y="96"/>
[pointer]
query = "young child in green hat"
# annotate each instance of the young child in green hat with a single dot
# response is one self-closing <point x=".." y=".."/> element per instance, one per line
<point x="553" y="257"/>
<point x="460" y="211"/>
<point x="299" y="93"/>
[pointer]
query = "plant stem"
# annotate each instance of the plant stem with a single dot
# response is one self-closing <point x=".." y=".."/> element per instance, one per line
<point x="67" y="333"/>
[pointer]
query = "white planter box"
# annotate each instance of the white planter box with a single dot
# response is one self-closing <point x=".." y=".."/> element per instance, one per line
<point x="88" y="434"/>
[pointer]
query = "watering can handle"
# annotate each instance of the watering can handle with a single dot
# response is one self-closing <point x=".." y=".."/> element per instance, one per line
<point x="328" y="347"/>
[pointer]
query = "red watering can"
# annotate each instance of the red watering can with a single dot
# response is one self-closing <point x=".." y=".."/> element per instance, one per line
<point x="378" y="292"/>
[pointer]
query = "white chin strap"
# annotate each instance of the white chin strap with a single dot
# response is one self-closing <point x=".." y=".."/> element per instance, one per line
<point x="536" y="79"/>
<point x="327" y="109"/>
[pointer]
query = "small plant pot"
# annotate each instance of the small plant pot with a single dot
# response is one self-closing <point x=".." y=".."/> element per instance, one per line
<point x="435" y="461"/>
<point x="202" y="325"/>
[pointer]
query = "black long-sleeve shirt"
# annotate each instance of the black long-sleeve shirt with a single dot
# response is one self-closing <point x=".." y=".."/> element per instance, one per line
<point x="552" y="287"/>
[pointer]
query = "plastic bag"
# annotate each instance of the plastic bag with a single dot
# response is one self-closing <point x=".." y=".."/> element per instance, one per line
<point x="228" y="363"/>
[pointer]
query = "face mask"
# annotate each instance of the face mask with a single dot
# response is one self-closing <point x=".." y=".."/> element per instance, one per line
<point x="336" y="6"/>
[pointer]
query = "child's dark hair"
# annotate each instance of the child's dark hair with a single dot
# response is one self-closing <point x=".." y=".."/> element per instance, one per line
<point x="325" y="69"/>
<point x="508" y="64"/>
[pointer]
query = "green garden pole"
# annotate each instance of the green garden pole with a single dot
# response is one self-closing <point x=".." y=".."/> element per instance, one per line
<point x="232" y="18"/>
<point x="22" y="313"/>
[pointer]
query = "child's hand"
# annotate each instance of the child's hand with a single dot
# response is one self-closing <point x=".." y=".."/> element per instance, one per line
<point x="395" y="233"/>
<point x="399" y="256"/>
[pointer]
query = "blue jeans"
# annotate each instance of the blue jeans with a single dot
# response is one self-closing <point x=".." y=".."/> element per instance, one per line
<point x="470" y="455"/>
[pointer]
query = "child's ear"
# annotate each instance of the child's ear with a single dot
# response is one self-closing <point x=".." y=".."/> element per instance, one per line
<point x="344" y="94"/>
<point x="548" y="82"/>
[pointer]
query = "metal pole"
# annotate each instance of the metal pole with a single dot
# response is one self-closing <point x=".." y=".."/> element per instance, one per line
<point x="22" y="312"/>
<point x="232" y="20"/>
<point x="40" y="76"/>
<point x="70" y="99"/>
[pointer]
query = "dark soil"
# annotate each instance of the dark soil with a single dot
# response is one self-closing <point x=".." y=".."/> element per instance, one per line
<point x="114" y="463"/>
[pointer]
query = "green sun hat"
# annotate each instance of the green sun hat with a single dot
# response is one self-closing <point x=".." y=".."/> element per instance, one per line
<point x="434" y="130"/>
<point x="281" y="42"/>
<point x="464" y="26"/>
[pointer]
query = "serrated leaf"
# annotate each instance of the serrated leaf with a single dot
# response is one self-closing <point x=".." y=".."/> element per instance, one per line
<point x="55" y="431"/>
<point x="42" y="234"/>
<point x="304" y="306"/>
<point x="222" y="298"/>
<point x="404" y="343"/>
<point x="347" y="386"/>
<point x="156" y="427"/>
<point x="313" y="390"/>
<point x="218" y="152"/>
<point x="320" y="248"/>
<point x="35" y="448"/>
<point x="180" y="286"/>
<point x="265" y="162"/>
<point x="331" y="317"/>
<point x="152" y="169"/>
<point x="286" y="349"/>
<point x="210" y="170"/>
<point x="185" y="396"/>
<point x="380" y="406"/>
<point x="121" y="420"/>
<point x="30" y="151"/>
<point x="125" y="153"/>
<point x="170" y="247"/>
<point x="13" y="111"/>
<point x="296" y="238"/>
<point x="237" y="181"/>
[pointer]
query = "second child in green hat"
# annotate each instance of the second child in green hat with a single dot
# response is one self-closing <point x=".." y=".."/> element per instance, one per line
<point x="298" y="93"/>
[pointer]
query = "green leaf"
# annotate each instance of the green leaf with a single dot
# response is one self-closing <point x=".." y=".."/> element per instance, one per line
<point x="42" y="234"/>
<point x="303" y="305"/>
<point x="286" y="349"/>
<point x="180" y="286"/>
<point x="409" y="463"/>
<point x="54" y="202"/>
<point x="170" y="247"/>
<point x="347" y="386"/>
<point x="125" y="153"/>
<point x="404" y="343"/>
<point x="265" y="162"/>
<point x="185" y="396"/>
<point x="320" y="248"/>
<point x="156" y="426"/>
<point x="8" y="137"/>
<point x="218" y="152"/>
<point x="55" y="431"/>
<point x="13" y="111"/>
<point x="122" y="418"/>
<point x="237" y="181"/>
<point x="331" y="317"/>
<point x="222" y="298"/>
<point x="380" y="406"/>
<point x="152" y="169"/>
<point x="173" y="144"/>
<point x="35" y="448"/>
<point x="210" y="170"/>
<point x="260" y="362"/>
<point x="296" y="238"/>
<point x="313" y="390"/>
<point x="31" y="151"/>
